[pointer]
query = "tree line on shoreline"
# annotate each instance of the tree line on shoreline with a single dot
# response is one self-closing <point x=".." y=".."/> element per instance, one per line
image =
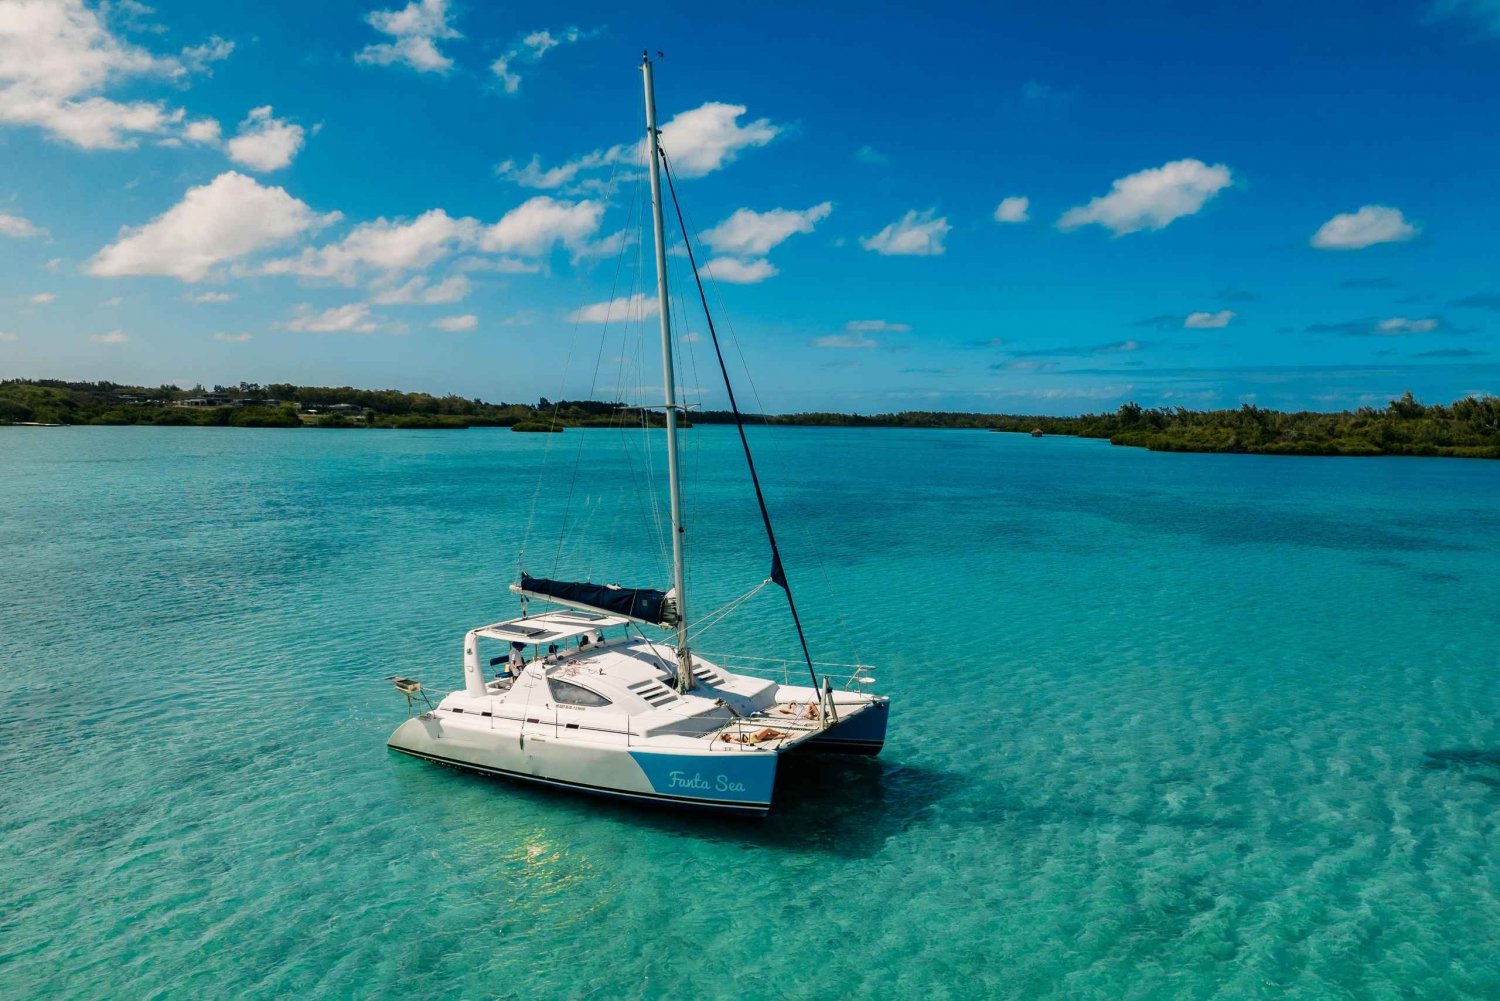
<point x="1467" y="428"/>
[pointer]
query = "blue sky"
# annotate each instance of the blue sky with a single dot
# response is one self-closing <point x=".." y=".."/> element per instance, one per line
<point x="1037" y="208"/>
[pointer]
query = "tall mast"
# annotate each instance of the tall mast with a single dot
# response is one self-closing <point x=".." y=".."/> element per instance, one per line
<point x="679" y="577"/>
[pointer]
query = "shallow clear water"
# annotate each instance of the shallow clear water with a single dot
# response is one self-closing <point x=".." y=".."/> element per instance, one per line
<point x="1164" y="725"/>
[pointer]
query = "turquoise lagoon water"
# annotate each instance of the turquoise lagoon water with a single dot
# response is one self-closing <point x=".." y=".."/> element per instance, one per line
<point x="1165" y="725"/>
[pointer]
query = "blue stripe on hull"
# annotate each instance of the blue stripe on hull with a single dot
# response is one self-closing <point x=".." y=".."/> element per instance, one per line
<point x="654" y="799"/>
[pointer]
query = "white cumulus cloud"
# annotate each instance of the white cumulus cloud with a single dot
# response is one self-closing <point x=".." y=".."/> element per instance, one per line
<point x="534" y="227"/>
<point x="354" y="318"/>
<point x="42" y="298"/>
<point x="202" y="297"/>
<point x="737" y="272"/>
<point x="748" y="233"/>
<point x="703" y="140"/>
<point x="423" y="292"/>
<point x="1151" y="199"/>
<point x="916" y="233"/>
<point x="849" y="341"/>
<point x="113" y="337"/>
<point x="57" y="58"/>
<point x="530" y="49"/>
<point x="265" y="142"/>
<point x="1208" y="321"/>
<point x="1013" y="209"/>
<point x="1401" y="325"/>
<point x="1370" y="225"/>
<point x="616" y="310"/>
<point x="457" y="323"/>
<point x="876" y="327"/>
<point x="387" y="247"/>
<point x="415" y="31"/>
<point x="232" y="338"/>
<point x="14" y="225"/>
<point x="231" y="216"/>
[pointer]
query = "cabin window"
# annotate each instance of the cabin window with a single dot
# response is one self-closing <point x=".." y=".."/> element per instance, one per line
<point x="565" y="693"/>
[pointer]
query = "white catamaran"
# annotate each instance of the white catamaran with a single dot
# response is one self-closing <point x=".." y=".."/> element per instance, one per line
<point x="590" y="702"/>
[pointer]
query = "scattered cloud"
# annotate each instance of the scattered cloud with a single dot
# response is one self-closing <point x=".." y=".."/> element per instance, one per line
<point x="7" y="337"/>
<point x="530" y="50"/>
<point x="538" y="224"/>
<point x="1025" y="365"/>
<point x="354" y="318"/>
<point x="699" y="142"/>
<point x="855" y="340"/>
<point x="386" y="247"/>
<point x="415" y="31"/>
<point x="113" y="301"/>
<point x="204" y="131"/>
<point x="42" y="298"/>
<point x="737" y="272"/>
<point x="748" y="233"/>
<point x="1113" y="347"/>
<point x="710" y="137"/>
<point x="1480" y="300"/>
<point x="918" y="234"/>
<point x="56" y="60"/>
<point x="1151" y="199"/>
<point x="1401" y="325"/>
<point x="265" y="142"/>
<point x="14" y="225"/>
<point x="1370" y="225"/>
<point x="198" y="298"/>
<point x="200" y="58"/>
<point x="113" y="337"/>
<point x="231" y="216"/>
<point x="1208" y="321"/>
<point x="422" y="292"/>
<point x="1013" y="209"/>
<point x="1037" y="94"/>
<point x="876" y="327"/>
<point x="1393" y="326"/>
<point x="625" y="308"/>
<point x="232" y="338"/>
<point x="872" y="157"/>
<point x="533" y="175"/>
<point x="1485" y="14"/>
<point x="1232" y="294"/>
<point x="457" y="323"/>
<point x="1375" y="283"/>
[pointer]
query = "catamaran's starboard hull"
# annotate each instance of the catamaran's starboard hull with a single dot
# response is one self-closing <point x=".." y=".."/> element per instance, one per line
<point x="861" y="733"/>
<point x="736" y="782"/>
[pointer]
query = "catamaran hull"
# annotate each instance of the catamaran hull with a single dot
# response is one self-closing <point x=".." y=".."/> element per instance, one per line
<point x="736" y="782"/>
<point x="861" y="733"/>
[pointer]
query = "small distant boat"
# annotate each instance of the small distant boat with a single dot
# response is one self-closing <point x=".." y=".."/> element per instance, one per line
<point x="1036" y="432"/>
<point x="587" y="701"/>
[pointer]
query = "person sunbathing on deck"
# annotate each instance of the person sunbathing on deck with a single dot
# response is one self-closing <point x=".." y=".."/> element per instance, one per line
<point x="759" y="736"/>
<point x="809" y="711"/>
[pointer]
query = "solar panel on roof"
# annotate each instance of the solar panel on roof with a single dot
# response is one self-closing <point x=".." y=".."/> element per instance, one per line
<point x="530" y="632"/>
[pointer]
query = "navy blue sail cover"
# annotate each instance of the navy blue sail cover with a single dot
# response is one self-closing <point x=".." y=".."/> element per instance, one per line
<point x="636" y="602"/>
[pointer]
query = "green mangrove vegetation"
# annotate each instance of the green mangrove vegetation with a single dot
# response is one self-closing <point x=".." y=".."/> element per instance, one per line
<point x="1467" y="428"/>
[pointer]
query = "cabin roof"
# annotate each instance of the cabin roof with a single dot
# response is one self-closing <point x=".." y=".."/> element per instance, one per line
<point x="550" y="626"/>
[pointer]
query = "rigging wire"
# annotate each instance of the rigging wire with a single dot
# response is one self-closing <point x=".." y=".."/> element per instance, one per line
<point x="778" y="572"/>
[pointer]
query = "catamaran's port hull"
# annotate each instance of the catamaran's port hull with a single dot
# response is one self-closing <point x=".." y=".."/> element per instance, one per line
<point x="727" y="781"/>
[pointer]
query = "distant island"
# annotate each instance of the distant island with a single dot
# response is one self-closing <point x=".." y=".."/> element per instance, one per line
<point x="1467" y="428"/>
